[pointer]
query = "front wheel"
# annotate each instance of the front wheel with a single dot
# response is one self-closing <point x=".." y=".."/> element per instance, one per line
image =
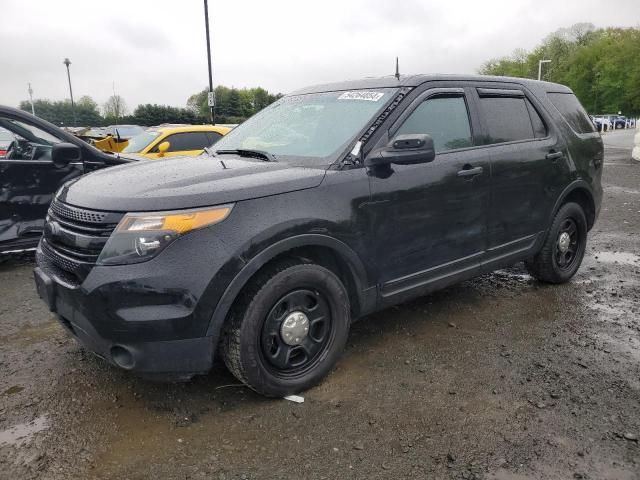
<point x="564" y="247"/>
<point x="288" y="329"/>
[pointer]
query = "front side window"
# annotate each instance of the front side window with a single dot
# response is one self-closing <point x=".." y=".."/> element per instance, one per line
<point x="506" y="119"/>
<point x="311" y="128"/>
<point x="444" y="118"/>
<point x="180" y="142"/>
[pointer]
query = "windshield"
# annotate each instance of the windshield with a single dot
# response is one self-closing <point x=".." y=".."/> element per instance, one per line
<point x="314" y="127"/>
<point x="127" y="130"/>
<point x="140" y="142"/>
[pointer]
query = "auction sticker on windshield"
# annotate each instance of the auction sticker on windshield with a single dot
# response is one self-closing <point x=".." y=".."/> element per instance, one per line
<point x="362" y="95"/>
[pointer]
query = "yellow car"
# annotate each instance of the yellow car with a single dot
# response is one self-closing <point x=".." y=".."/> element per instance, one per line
<point x="173" y="141"/>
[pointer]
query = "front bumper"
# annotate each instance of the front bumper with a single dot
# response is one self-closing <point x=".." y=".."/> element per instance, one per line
<point x="150" y="318"/>
<point x="166" y="359"/>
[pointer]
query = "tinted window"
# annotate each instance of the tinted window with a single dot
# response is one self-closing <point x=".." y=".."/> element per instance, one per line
<point x="539" y="129"/>
<point x="187" y="141"/>
<point x="506" y="118"/>
<point x="570" y="108"/>
<point x="213" y="137"/>
<point x="445" y="119"/>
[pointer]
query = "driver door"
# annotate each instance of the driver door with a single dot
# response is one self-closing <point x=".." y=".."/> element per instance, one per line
<point x="430" y="219"/>
<point x="28" y="181"/>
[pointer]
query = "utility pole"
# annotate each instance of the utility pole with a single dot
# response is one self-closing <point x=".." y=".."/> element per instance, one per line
<point x="33" y="109"/>
<point x="211" y="96"/>
<point x="67" y="62"/>
<point x="540" y="68"/>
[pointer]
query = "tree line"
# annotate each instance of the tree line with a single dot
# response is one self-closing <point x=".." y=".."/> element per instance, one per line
<point x="601" y="66"/>
<point x="233" y="105"/>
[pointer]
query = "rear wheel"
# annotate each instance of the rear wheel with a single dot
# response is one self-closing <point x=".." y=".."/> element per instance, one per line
<point x="288" y="329"/>
<point x="564" y="247"/>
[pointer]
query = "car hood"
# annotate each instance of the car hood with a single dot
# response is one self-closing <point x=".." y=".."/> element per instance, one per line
<point x="185" y="182"/>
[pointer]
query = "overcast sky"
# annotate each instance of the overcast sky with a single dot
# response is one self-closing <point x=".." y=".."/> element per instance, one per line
<point x="154" y="51"/>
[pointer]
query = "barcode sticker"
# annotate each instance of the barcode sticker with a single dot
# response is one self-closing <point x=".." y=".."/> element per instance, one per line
<point x="362" y="95"/>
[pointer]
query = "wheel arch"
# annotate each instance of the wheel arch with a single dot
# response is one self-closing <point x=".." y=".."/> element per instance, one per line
<point x="321" y="249"/>
<point x="580" y="193"/>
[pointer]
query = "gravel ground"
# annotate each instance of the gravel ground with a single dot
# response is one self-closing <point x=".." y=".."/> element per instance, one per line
<point x="496" y="378"/>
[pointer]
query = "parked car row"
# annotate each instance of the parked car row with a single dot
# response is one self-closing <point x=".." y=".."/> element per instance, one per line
<point x="605" y="123"/>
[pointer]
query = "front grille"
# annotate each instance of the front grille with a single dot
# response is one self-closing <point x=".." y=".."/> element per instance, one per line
<point x="74" y="237"/>
<point x="65" y="211"/>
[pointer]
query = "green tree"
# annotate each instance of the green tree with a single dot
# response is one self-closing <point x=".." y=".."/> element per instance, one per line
<point x="602" y="66"/>
<point x="62" y="113"/>
<point x="232" y="105"/>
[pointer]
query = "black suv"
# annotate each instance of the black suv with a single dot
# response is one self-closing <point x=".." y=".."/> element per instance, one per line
<point x="335" y="201"/>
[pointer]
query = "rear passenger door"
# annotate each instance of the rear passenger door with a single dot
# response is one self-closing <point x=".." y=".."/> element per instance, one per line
<point x="526" y="164"/>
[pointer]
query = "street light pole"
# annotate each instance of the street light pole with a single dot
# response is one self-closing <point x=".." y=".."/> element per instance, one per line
<point x="206" y="26"/>
<point x="67" y="62"/>
<point x="33" y="109"/>
<point x="540" y="68"/>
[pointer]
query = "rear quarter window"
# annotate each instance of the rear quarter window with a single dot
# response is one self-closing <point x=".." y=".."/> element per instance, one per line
<point x="571" y="110"/>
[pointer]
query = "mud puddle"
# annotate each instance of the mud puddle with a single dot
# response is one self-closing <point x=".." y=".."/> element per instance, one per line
<point x="23" y="432"/>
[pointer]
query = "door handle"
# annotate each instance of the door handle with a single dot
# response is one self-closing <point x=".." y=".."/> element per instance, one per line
<point x="554" y="156"/>
<point x="468" y="171"/>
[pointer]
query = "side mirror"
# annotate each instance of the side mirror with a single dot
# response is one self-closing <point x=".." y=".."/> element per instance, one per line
<point x="163" y="148"/>
<point x="62" y="154"/>
<point x="407" y="149"/>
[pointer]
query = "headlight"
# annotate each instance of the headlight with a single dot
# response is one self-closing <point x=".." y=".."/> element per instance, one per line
<point x="141" y="236"/>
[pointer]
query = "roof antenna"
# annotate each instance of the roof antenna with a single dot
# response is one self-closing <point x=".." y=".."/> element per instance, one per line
<point x="397" y="69"/>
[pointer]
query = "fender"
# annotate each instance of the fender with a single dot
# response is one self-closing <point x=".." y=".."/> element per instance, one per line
<point x="575" y="185"/>
<point x="366" y="296"/>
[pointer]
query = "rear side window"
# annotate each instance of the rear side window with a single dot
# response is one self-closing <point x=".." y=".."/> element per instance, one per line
<point x="539" y="128"/>
<point x="507" y="119"/>
<point x="445" y="119"/>
<point x="570" y="108"/>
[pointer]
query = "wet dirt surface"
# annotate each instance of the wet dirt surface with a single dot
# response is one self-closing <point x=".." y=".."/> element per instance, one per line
<point x="499" y="378"/>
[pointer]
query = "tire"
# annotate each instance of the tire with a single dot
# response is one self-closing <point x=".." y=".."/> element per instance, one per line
<point x="275" y="359"/>
<point x="551" y="264"/>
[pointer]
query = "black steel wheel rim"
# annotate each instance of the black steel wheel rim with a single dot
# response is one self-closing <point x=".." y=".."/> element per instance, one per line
<point x="290" y="360"/>
<point x="567" y="244"/>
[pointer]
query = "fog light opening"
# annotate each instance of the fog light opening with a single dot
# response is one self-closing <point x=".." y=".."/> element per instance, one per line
<point x="122" y="357"/>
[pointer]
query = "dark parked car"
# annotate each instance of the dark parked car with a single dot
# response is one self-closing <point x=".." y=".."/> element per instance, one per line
<point x="37" y="161"/>
<point x="620" y="122"/>
<point x="333" y="202"/>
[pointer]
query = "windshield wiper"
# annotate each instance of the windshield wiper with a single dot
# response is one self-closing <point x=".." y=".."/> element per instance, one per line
<point x="243" y="152"/>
